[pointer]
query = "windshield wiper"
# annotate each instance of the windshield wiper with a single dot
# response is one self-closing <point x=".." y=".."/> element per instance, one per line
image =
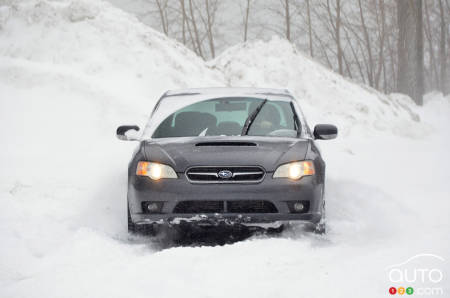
<point x="297" y="124"/>
<point x="249" y="120"/>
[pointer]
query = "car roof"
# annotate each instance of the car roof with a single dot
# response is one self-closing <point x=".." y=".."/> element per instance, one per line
<point x="229" y="91"/>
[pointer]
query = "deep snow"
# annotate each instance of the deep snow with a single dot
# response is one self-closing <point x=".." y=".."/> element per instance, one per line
<point x="71" y="71"/>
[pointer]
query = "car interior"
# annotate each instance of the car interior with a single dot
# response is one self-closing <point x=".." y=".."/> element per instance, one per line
<point x="195" y="123"/>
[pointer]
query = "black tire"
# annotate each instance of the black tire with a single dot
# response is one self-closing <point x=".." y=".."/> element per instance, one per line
<point x="131" y="225"/>
<point x="275" y="231"/>
<point x="143" y="229"/>
<point x="321" y="227"/>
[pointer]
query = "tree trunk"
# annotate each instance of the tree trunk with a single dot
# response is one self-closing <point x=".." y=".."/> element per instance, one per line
<point x="183" y="20"/>
<point x="445" y="80"/>
<point x="209" y="26"/>
<point x="288" y="20"/>
<point x="368" y="46"/>
<point x="196" y="33"/>
<point x="410" y="49"/>
<point x="338" y="36"/>
<point x="247" y="13"/>
<point x="336" y="31"/>
<point x="381" y="45"/>
<point x="308" y="11"/>
<point x="163" y="16"/>
<point x="433" y="77"/>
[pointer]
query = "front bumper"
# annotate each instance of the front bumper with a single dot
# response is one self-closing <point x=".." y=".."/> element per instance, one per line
<point x="172" y="191"/>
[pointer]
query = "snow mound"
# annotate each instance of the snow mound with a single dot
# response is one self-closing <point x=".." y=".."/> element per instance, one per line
<point x="70" y="73"/>
<point x="324" y="95"/>
<point x="94" y="43"/>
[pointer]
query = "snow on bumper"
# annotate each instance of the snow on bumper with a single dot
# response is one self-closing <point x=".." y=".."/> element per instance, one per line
<point x="279" y="192"/>
<point x="256" y="219"/>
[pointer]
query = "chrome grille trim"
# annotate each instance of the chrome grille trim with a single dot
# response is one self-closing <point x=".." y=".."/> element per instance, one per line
<point x="205" y="174"/>
<point x="247" y="173"/>
<point x="238" y="174"/>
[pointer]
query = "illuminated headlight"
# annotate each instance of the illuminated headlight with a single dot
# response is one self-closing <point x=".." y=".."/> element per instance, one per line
<point x="295" y="170"/>
<point x="155" y="170"/>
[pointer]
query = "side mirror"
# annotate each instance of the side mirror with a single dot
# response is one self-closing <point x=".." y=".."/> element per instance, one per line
<point x="325" y="132"/>
<point x="127" y="133"/>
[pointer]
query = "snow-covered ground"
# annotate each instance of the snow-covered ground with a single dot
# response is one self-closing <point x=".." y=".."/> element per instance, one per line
<point x="72" y="71"/>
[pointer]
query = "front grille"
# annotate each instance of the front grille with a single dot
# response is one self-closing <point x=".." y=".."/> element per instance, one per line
<point x="251" y="206"/>
<point x="199" y="207"/>
<point x="249" y="174"/>
<point x="239" y="206"/>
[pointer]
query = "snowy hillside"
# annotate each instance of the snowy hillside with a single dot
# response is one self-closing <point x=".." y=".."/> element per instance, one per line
<point x="324" y="95"/>
<point x="92" y="43"/>
<point x="72" y="71"/>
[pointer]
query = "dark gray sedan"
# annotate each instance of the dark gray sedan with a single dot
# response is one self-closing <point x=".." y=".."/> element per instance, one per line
<point x="226" y="156"/>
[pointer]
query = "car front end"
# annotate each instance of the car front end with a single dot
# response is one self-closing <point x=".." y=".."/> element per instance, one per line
<point x="247" y="187"/>
<point x="239" y="158"/>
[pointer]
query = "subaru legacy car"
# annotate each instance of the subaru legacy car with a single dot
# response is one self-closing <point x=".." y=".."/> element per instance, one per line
<point x="226" y="156"/>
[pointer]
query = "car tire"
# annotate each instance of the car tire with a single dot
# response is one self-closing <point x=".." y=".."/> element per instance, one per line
<point x="131" y="225"/>
<point x="321" y="227"/>
<point x="143" y="230"/>
<point x="275" y="231"/>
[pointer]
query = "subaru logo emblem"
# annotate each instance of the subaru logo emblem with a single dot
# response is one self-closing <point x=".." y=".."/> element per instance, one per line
<point x="225" y="174"/>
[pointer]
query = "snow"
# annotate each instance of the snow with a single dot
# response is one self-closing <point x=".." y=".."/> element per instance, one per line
<point x="324" y="96"/>
<point x="235" y="91"/>
<point x="72" y="71"/>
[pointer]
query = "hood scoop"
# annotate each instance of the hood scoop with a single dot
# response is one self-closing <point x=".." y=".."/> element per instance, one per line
<point x="221" y="144"/>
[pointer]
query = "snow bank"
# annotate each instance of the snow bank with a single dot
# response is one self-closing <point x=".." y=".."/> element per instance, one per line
<point x="71" y="71"/>
<point x="325" y="96"/>
<point x="94" y="43"/>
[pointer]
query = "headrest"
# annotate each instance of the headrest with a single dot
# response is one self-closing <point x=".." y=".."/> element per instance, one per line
<point x="229" y="128"/>
<point x="268" y="112"/>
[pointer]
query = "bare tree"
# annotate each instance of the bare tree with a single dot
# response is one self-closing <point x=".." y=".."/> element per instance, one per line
<point x="444" y="80"/>
<point x="183" y="21"/>
<point x="162" y="8"/>
<point x="428" y="29"/>
<point x="381" y="22"/>
<point x="335" y="22"/>
<point x="362" y="39"/>
<point x="410" y="49"/>
<point x="287" y="16"/>
<point x="308" y="13"/>
<point x="198" y="44"/>
<point x="368" y="45"/>
<point x="208" y="21"/>
<point x="247" y="14"/>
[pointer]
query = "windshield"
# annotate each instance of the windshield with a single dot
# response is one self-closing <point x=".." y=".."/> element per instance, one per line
<point x="227" y="117"/>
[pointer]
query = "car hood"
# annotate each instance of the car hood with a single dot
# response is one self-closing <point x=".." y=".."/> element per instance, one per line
<point x="268" y="152"/>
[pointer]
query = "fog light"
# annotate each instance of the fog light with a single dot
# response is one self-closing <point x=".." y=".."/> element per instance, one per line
<point x="299" y="207"/>
<point x="152" y="207"/>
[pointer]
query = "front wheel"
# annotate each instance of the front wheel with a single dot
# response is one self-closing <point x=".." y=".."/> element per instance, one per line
<point x="321" y="227"/>
<point x="131" y="225"/>
<point x="144" y="229"/>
